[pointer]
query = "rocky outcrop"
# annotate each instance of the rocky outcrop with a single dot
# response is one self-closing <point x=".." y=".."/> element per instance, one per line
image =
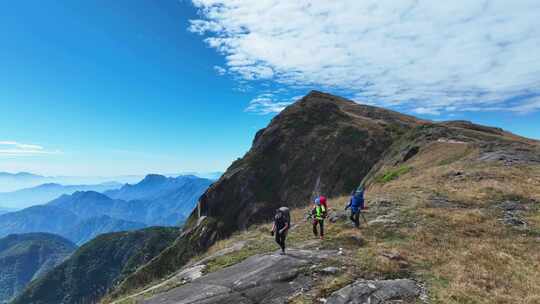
<point x="271" y="278"/>
<point x="377" y="292"/>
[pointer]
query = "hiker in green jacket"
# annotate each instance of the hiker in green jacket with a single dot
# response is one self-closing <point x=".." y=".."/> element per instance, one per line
<point x="318" y="213"/>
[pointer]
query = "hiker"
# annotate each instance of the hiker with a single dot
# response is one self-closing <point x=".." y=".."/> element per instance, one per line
<point x="282" y="223"/>
<point x="356" y="204"/>
<point x="318" y="213"/>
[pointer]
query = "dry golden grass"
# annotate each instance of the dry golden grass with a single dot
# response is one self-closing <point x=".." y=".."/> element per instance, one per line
<point x="467" y="255"/>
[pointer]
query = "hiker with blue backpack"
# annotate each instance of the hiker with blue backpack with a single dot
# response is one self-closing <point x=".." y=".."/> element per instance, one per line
<point x="356" y="204"/>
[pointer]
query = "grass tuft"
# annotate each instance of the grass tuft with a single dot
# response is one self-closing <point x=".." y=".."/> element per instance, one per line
<point x="392" y="174"/>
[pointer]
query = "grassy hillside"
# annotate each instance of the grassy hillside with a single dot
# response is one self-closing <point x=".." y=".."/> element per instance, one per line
<point x="24" y="257"/>
<point x="97" y="266"/>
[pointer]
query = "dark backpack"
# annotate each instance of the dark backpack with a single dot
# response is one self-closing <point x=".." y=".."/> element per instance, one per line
<point x="285" y="212"/>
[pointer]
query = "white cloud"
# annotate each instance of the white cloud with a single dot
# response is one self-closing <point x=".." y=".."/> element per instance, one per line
<point x="267" y="104"/>
<point x="220" y="70"/>
<point x="13" y="148"/>
<point x="529" y="106"/>
<point x="429" y="111"/>
<point x="425" y="55"/>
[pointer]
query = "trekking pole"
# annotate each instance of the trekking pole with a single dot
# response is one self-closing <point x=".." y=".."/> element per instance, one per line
<point x="362" y="214"/>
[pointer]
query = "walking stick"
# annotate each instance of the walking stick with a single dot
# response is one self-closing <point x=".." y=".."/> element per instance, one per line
<point x="362" y="214"/>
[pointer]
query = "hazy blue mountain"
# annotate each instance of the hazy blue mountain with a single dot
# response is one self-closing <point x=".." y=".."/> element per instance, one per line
<point x="154" y="186"/>
<point x="215" y="175"/>
<point x="10" y="182"/>
<point x="87" y="204"/>
<point x="46" y="192"/>
<point x="155" y="201"/>
<point x="14" y="181"/>
<point x="94" y="226"/>
<point x="53" y="219"/>
<point x="168" y="200"/>
<point x="175" y="206"/>
<point x="6" y="210"/>
<point x="25" y="257"/>
<point x="37" y="219"/>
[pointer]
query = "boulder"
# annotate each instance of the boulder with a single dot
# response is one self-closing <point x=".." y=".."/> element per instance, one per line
<point x="329" y="270"/>
<point x="513" y="206"/>
<point x="336" y="216"/>
<point x="377" y="292"/>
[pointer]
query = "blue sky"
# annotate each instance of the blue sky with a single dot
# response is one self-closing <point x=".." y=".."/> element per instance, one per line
<point x="137" y="86"/>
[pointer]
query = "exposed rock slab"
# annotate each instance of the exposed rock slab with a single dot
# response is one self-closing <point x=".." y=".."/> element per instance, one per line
<point x="375" y="292"/>
<point x="336" y="216"/>
<point x="270" y="278"/>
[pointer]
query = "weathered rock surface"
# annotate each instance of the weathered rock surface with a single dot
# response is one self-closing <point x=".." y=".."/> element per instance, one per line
<point x="513" y="213"/>
<point x="385" y="220"/>
<point x="375" y="292"/>
<point x="510" y="154"/>
<point x="336" y="216"/>
<point x="270" y="278"/>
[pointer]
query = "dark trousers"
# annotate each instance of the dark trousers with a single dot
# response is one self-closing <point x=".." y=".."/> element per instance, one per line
<point x="321" y="224"/>
<point x="355" y="218"/>
<point x="280" y="239"/>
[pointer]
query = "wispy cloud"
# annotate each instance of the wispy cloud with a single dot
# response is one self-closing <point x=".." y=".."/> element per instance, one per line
<point x="267" y="103"/>
<point x="220" y="70"/>
<point x="13" y="148"/>
<point x="429" y="111"/>
<point x="424" y="56"/>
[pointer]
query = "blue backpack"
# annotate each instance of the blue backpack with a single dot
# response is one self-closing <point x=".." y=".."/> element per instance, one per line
<point x="357" y="201"/>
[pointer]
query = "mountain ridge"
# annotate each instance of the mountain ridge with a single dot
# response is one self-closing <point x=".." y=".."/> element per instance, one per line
<point x="327" y="141"/>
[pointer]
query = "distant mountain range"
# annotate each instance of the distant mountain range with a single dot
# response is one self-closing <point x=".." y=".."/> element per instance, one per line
<point x="26" y="257"/>
<point x="155" y="201"/>
<point x="46" y="192"/>
<point x="5" y="210"/>
<point x="10" y="182"/>
<point x="51" y="219"/>
<point x="215" y="175"/>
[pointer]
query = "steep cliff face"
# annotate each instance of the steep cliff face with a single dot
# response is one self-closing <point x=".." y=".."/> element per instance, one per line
<point x="321" y="143"/>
